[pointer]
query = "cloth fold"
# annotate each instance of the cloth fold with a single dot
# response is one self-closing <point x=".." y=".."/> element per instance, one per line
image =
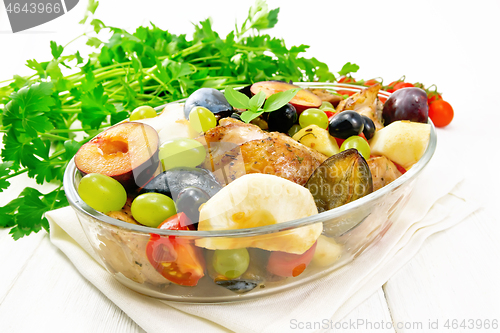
<point x="437" y="203"/>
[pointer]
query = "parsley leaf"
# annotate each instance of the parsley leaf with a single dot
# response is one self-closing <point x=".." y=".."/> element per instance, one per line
<point x="4" y="172"/>
<point x="348" y="68"/>
<point x="57" y="50"/>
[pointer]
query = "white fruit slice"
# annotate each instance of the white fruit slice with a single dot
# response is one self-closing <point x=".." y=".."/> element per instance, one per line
<point x="171" y="124"/>
<point x="403" y="142"/>
<point x="255" y="200"/>
<point x="327" y="251"/>
<point x="318" y="139"/>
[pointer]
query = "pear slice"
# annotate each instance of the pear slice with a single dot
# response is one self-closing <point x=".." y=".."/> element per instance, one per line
<point x="171" y="123"/>
<point x="255" y="200"/>
<point x="403" y="142"/>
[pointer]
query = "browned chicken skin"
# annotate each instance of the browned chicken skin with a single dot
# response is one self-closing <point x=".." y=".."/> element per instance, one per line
<point x="383" y="171"/>
<point x="237" y="148"/>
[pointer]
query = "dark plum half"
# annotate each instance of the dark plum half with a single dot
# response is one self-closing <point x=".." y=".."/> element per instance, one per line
<point x="211" y="99"/>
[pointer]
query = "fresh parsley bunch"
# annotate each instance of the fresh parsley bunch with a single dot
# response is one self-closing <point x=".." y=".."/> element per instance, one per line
<point x="47" y="116"/>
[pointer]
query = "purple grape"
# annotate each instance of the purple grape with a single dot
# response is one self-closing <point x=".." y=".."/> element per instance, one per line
<point x="406" y="104"/>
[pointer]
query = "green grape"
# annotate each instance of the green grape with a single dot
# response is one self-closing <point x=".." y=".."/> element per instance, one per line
<point x="294" y="129"/>
<point x="313" y="116"/>
<point x="326" y="105"/>
<point x="182" y="152"/>
<point x="151" y="209"/>
<point x="143" y="112"/>
<point x="231" y="263"/>
<point x="358" y="143"/>
<point x="102" y="192"/>
<point x="202" y="119"/>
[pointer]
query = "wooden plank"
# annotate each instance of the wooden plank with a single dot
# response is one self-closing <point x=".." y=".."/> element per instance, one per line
<point x="50" y="295"/>
<point x="14" y="258"/>
<point x="454" y="276"/>
<point x="371" y="315"/>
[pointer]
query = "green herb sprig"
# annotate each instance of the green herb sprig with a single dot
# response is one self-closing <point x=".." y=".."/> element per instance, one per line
<point x="254" y="105"/>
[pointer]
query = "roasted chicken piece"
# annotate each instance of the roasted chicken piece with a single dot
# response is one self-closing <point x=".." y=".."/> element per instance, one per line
<point x="233" y="154"/>
<point x="383" y="171"/>
<point x="125" y="214"/>
<point x="365" y="103"/>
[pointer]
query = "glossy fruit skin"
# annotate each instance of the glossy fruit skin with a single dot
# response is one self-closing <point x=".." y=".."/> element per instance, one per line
<point x="401" y="85"/>
<point x="236" y="116"/>
<point x="358" y="143"/>
<point x="189" y="202"/>
<point x="231" y="263"/>
<point x="202" y="119"/>
<point x="282" y="119"/>
<point x="406" y="104"/>
<point x="313" y="116"/>
<point x="181" y="152"/>
<point x="327" y="105"/>
<point x="369" y="127"/>
<point x="346" y="124"/>
<point x="151" y="209"/>
<point x="209" y="98"/>
<point x="177" y="259"/>
<point x="143" y="112"/>
<point x="371" y="82"/>
<point x="294" y="129"/>
<point x="102" y="192"/>
<point x="441" y="113"/>
<point x="289" y="264"/>
<point x="173" y="181"/>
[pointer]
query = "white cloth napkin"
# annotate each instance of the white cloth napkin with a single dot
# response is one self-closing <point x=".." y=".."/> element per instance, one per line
<point x="437" y="203"/>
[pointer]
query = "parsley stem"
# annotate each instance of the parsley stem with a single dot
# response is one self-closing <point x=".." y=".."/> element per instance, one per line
<point x="71" y="130"/>
<point x="74" y="39"/>
<point x="53" y="136"/>
<point x="70" y="110"/>
<point x="16" y="173"/>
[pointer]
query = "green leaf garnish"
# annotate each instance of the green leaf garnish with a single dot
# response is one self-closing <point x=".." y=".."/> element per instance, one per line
<point x="256" y="101"/>
<point x="278" y="100"/>
<point x="237" y="99"/>
<point x="348" y="68"/>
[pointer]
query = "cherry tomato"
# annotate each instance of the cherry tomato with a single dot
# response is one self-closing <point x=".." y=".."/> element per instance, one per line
<point x="390" y="87"/>
<point x="433" y="96"/>
<point x="346" y="79"/>
<point x="329" y="114"/>
<point x="382" y="99"/>
<point x="399" y="167"/>
<point x="371" y="82"/>
<point x="401" y="85"/>
<point x="289" y="264"/>
<point x="179" y="221"/>
<point x="363" y="136"/>
<point x="441" y="113"/>
<point x="339" y="141"/>
<point x="178" y="260"/>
